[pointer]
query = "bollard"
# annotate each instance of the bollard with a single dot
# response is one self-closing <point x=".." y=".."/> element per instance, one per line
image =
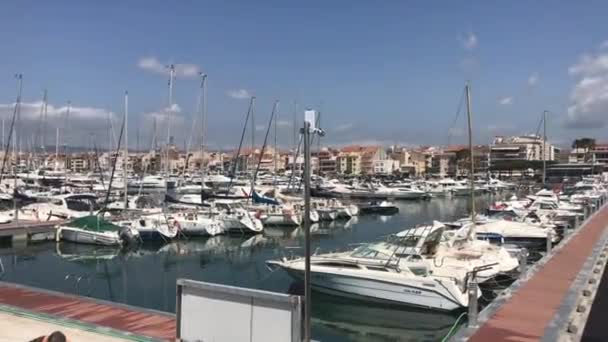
<point x="577" y="223"/>
<point x="472" y="292"/>
<point x="567" y="230"/>
<point x="523" y="262"/>
<point x="549" y="241"/>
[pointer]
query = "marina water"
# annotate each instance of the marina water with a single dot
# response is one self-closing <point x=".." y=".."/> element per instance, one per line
<point x="146" y="277"/>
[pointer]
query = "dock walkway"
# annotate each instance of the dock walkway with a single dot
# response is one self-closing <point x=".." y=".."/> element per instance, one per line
<point x="27" y="228"/>
<point x="531" y="311"/>
<point x="118" y="320"/>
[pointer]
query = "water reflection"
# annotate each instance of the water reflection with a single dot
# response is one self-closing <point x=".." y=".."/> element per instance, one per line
<point x="146" y="277"/>
<point x="361" y="321"/>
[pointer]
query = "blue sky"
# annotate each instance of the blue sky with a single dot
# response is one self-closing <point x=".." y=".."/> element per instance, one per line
<point x="381" y="72"/>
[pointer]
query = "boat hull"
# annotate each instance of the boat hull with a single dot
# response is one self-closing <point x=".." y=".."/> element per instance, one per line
<point x="378" y="291"/>
<point x="88" y="237"/>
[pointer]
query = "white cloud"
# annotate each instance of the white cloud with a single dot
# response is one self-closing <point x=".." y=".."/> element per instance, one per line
<point x="239" y="94"/>
<point x="75" y="129"/>
<point x="589" y="97"/>
<point x="260" y="127"/>
<point x="344" y="127"/>
<point x="506" y="101"/>
<point x="283" y="123"/>
<point x="468" y="41"/>
<point x="163" y="113"/>
<point x="31" y="111"/>
<point x="533" y="79"/>
<point x="589" y="65"/>
<point x="152" y="64"/>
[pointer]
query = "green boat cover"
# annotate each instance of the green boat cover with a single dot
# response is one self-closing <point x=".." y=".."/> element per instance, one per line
<point x="93" y="223"/>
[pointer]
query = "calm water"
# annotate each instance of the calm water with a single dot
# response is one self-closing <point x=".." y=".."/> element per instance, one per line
<point x="147" y="277"/>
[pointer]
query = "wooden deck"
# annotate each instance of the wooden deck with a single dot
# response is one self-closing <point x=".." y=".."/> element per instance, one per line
<point x="140" y="322"/>
<point x="529" y="311"/>
<point x="24" y="227"/>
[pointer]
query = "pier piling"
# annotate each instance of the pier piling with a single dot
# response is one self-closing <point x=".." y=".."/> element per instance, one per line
<point x="523" y="261"/>
<point x="473" y="310"/>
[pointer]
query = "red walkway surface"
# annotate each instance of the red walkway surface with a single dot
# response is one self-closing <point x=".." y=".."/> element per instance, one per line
<point x="525" y="316"/>
<point x="119" y="317"/>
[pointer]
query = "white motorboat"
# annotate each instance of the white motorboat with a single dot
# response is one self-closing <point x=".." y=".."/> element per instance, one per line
<point x="376" y="276"/>
<point x="96" y="231"/>
<point x="447" y="253"/>
<point x="61" y="207"/>
<point x="154" y="227"/>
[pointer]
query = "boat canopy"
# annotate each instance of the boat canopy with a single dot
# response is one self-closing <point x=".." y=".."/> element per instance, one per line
<point x="93" y="223"/>
<point x="263" y="199"/>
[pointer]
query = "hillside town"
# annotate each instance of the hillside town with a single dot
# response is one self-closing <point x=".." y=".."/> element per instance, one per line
<point x="514" y="155"/>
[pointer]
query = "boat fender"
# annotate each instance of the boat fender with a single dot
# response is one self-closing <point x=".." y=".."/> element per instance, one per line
<point x="58" y="234"/>
<point x="258" y="214"/>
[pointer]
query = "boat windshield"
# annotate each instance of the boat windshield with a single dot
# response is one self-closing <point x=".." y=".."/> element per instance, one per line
<point x="365" y="252"/>
<point x="81" y="204"/>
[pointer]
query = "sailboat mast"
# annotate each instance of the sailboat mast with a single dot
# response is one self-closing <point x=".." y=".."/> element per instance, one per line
<point x="295" y="123"/>
<point x="274" y="153"/>
<point x="56" y="148"/>
<point x="252" y="136"/>
<point x="544" y="146"/>
<point x="203" y="125"/>
<point x="170" y="114"/>
<point x="126" y="152"/>
<point x="18" y="114"/>
<point x="472" y="160"/>
<point x="44" y="120"/>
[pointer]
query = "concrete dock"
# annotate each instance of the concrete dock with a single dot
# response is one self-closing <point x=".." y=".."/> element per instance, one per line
<point x="18" y="327"/>
<point x="19" y="233"/>
<point x="45" y="310"/>
<point x="552" y="300"/>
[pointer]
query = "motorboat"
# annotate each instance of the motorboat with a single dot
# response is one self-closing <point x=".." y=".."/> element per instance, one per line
<point x="96" y="231"/>
<point x="154" y="227"/>
<point x="61" y="207"/>
<point x="510" y="232"/>
<point x="380" y="208"/>
<point x="149" y="183"/>
<point x="378" y="276"/>
<point x="447" y="253"/>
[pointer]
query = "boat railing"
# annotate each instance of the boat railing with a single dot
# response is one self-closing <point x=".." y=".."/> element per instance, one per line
<point x="396" y="255"/>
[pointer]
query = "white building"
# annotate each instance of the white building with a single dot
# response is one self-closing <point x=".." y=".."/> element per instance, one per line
<point x="385" y="166"/>
<point x="521" y="148"/>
